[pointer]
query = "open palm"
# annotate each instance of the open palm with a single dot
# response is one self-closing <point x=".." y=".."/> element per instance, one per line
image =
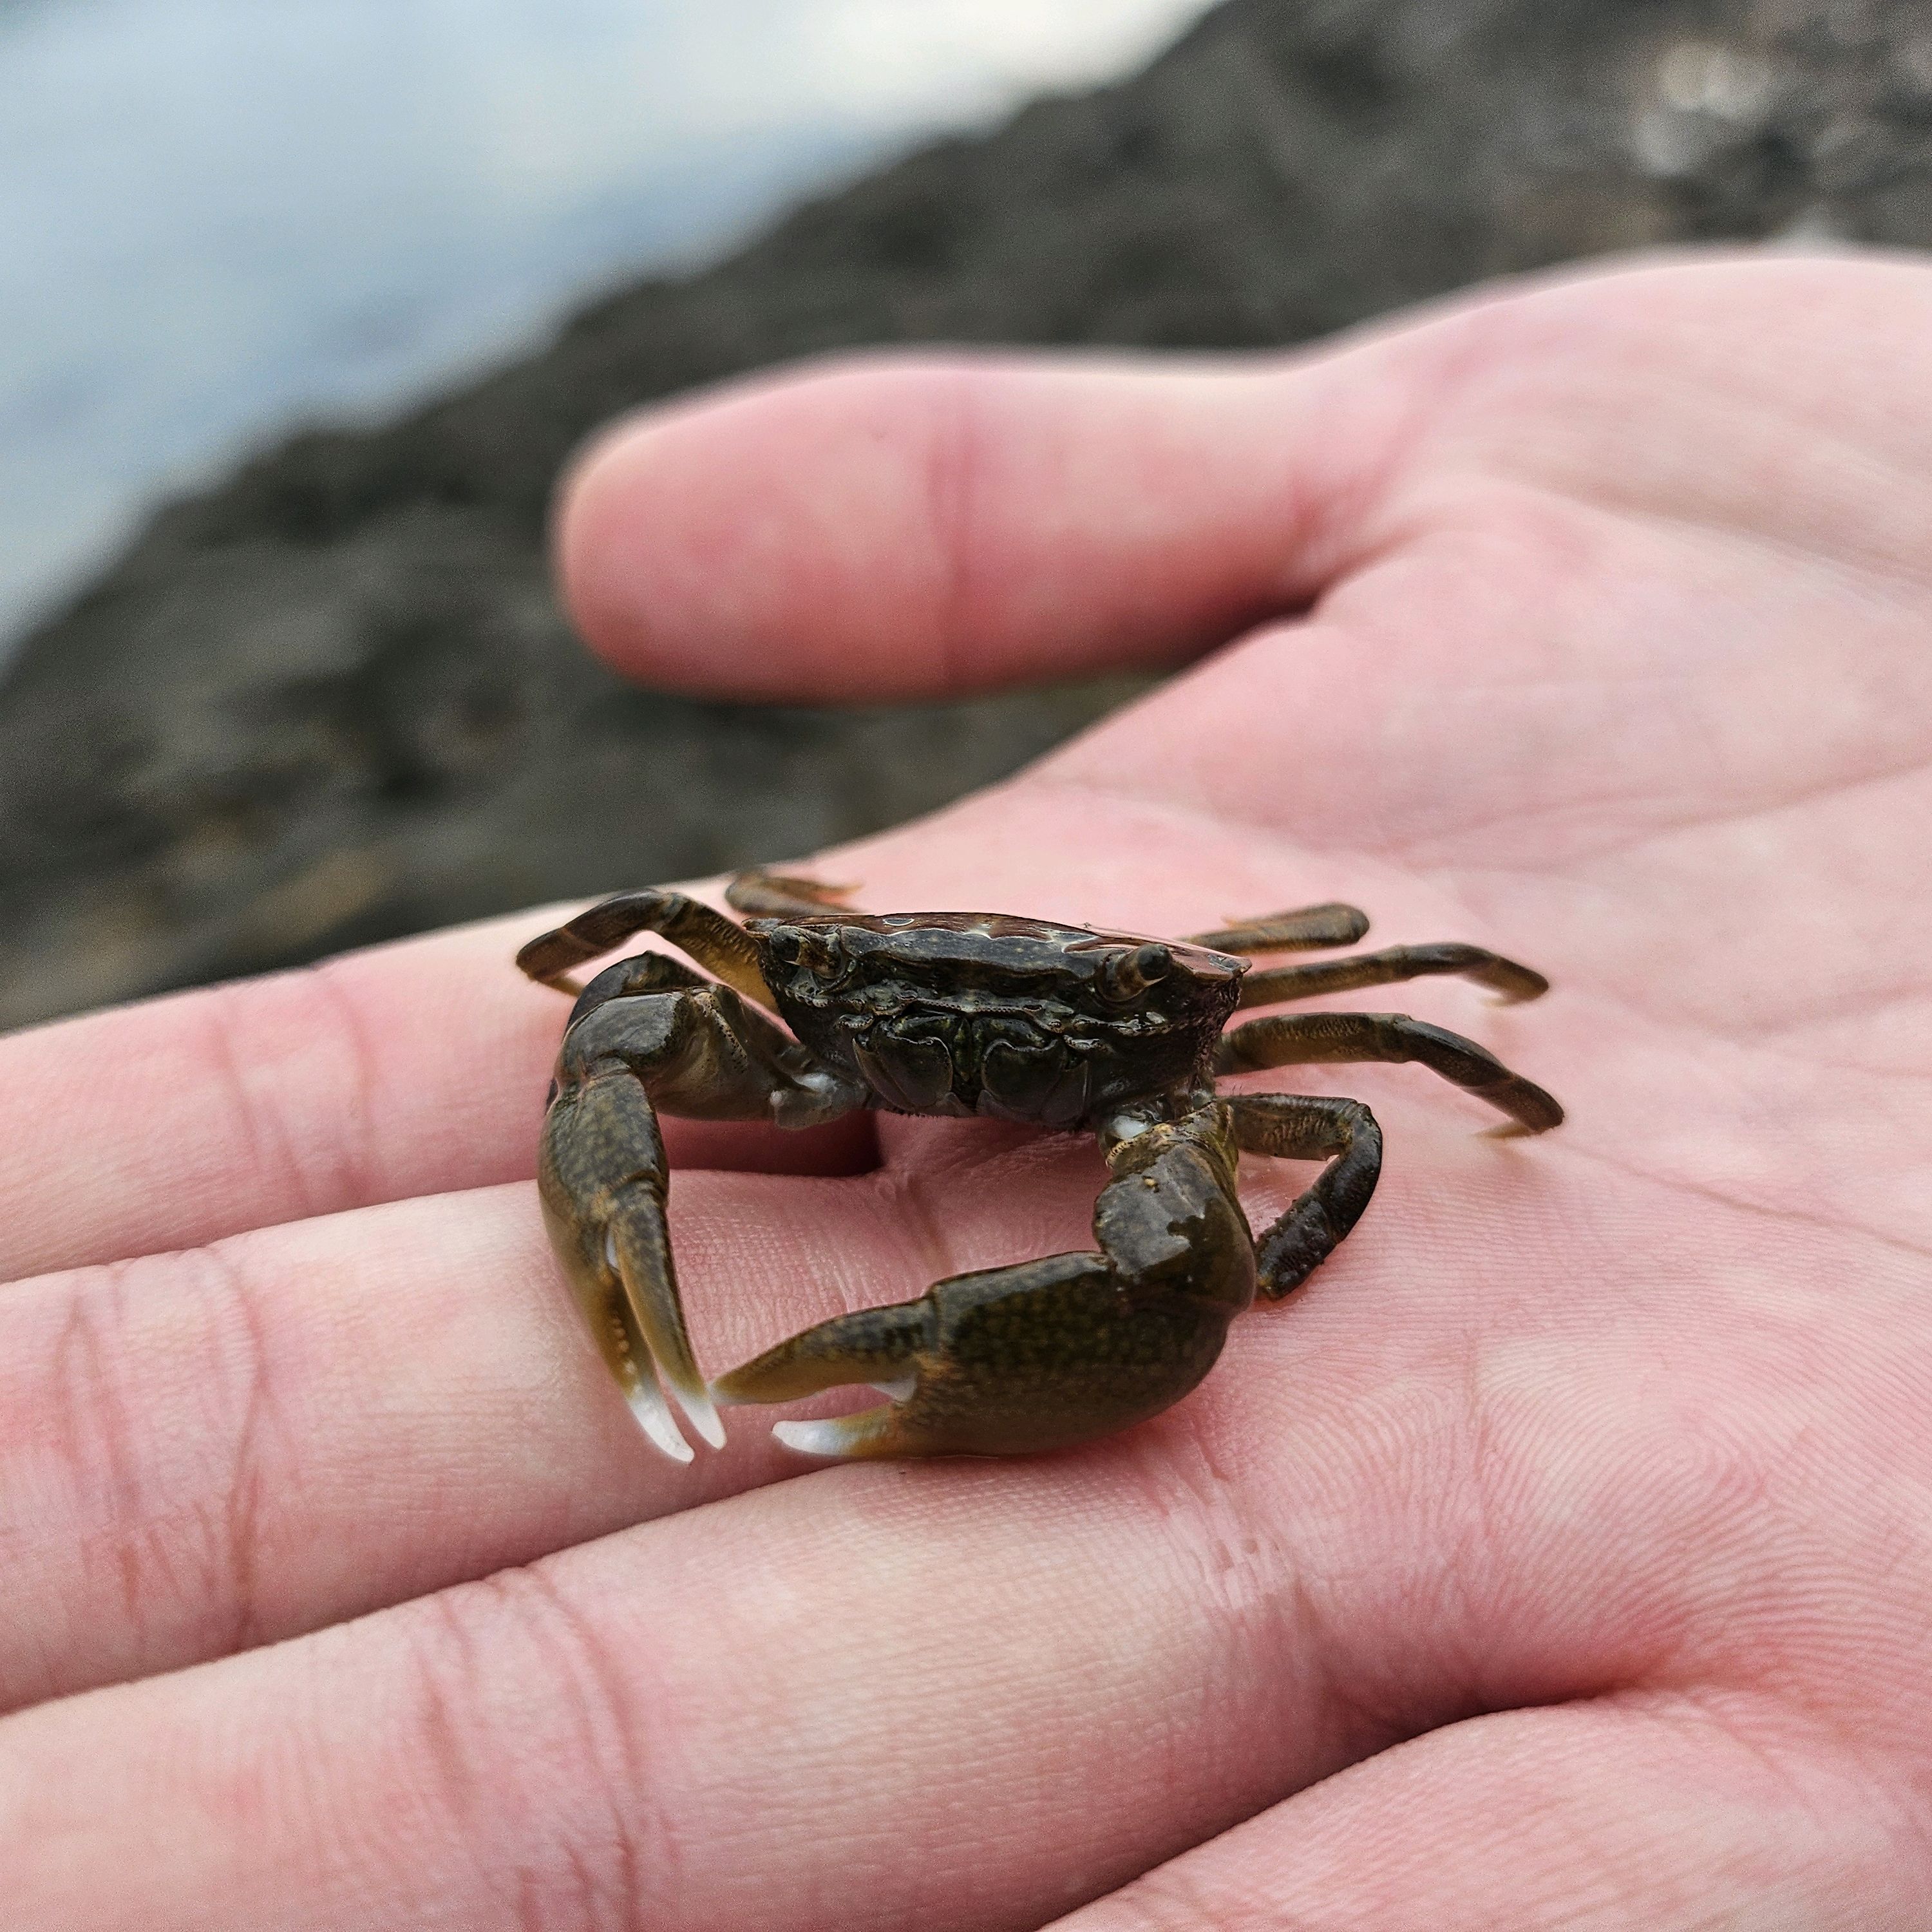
<point x="1558" y="1556"/>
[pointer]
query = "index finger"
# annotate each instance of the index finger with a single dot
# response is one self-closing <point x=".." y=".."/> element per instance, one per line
<point x="417" y="1068"/>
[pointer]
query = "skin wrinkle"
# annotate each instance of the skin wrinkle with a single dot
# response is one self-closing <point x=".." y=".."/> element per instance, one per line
<point x="151" y="1552"/>
<point x="243" y="1525"/>
<point x="1915" y="1000"/>
<point x="1746" y="1722"/>
<point x="449" y="1680"/>
<point x="189" y="1545"/>
<point x="178" y="1546"/>
<point x="1293" y="1624"/>
<point x="1805" y="1705"/>
<point x="1103" y="797"/>
<point x="1514" y="326"/>
<point x="1124" y="792"/>
<point x="1423" y="374"/>
<point x="955" y="458"/>
<point x="91" y="1392"/>
<point x="1124" y="788"/>
<point x="1760" y="1042"/>
<point x="1680" y="1184"/>
<point x="1462" y="1513"/>
<point x="1610" y="995"/>
<point x="613" y="1745"/>
<point x="235" y="1028"/>
<point x="1287" y="1640"/>
<point x="1188" y="1893"/>
<point x="1590" y="1852"/>
<point x="1885" y="577"/>
<point x="445" y="1122"/>
<point x="271" y="1150"/>
<point x="1690" y="1042"/>
<point x="1223" y="1548"/>
<point x="1480" y="1552"/>
<point x="912" y="1185"/>
<point x="1828" y="791"/>
<point x="1882" y="579"/>
<point x="356" y="1154"/>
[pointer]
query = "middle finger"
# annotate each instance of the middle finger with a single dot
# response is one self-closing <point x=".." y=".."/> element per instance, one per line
<point x="205" y="1450"/>
<point x="415" y="1068"/>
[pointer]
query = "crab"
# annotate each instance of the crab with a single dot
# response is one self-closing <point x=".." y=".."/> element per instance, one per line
<point x="992" y="1015"/>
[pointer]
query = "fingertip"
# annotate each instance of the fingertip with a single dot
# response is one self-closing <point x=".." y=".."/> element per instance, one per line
<point x="773" y="541"/>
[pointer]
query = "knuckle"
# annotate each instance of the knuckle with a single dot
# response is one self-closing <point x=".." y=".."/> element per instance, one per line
<point x="1178" y="1898"/>
<point x="166" y="1525"/>
<point x="529" y="1723"/>
<point x="295" y="1034"/>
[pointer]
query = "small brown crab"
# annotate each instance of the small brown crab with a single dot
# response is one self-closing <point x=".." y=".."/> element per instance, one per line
<point x="970" y="1013"/>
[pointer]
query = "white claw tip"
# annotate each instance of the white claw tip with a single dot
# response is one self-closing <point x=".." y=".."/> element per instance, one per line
<point x="813" y="1438"/>
<point x="654" y="1418"/>
<point x="698" y="1406"/>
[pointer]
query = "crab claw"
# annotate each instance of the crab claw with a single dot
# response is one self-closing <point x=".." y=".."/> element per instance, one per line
<point x="1048" y="1353"/>
<point x="602" y="1178"/>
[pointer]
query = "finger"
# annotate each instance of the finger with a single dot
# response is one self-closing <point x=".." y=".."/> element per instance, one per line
<point x="874" y="1712"/>
<point x="206" y="1450"/>
<point x="900" y="526"/>
<point x="776" y="1702"/>
<point x="1621" y="1815"/>
<point x="412" y="1069"/>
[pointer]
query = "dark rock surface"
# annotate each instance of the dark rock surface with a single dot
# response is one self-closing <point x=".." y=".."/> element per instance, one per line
<point x="330" y="699"/>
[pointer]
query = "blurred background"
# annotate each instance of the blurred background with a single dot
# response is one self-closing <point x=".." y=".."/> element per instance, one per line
<point x="221" y="216"/>
<point x="304" y="302"/>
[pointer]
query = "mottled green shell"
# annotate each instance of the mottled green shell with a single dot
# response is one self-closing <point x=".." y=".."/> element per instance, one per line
<point x="991" y="1014"/>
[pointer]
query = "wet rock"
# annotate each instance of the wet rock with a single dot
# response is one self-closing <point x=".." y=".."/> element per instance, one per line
<point x="331" y="700"/>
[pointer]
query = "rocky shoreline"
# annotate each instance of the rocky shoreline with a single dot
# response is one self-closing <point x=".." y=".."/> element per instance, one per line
<point x="331" y="700"/>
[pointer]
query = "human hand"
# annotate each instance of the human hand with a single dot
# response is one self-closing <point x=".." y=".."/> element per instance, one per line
<point x="1558" y="1557"/>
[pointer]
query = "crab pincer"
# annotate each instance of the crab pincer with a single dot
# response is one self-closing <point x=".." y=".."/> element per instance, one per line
<point x="1046" y="1353"/>
<point x="645" y="1033"/>
<point x="603" y="1179"/>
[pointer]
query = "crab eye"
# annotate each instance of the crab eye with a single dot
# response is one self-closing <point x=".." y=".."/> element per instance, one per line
<point x="1127" y="975"/>
<point x="821" y="955"/>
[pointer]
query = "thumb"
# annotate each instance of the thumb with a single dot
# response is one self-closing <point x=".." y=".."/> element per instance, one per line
<point x="891" y="527"/>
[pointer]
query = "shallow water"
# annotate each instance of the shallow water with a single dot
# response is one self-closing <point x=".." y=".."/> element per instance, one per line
<point x="219" y="218"/>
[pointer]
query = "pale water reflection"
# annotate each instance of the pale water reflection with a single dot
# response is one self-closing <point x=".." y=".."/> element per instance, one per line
<point x="218" y="217"/>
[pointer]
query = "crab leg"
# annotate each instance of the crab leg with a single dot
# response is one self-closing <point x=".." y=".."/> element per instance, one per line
<point x="1303" y="1039"/>
<point x="719" y="944"/>
<point x="1050" y="1352"/>
<point x="1305" y="1127"/>
<point x="778" y="895"/>
<point x="1308" y="929"/>
<point x="648" y="1032"/>
<point x="1278" y="984"/>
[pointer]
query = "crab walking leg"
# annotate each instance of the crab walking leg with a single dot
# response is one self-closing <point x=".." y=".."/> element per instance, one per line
<point x="1050" y="1352"/>
<point x="1307" y="930"/>
<point x="1278" y="984"/>
<point x="779" y="894"/>
<point x="1306" y="1039"/>
<point x="644" y="1035"/>
<point x="1305" y="1127"/>
<point x="717" y="943"/>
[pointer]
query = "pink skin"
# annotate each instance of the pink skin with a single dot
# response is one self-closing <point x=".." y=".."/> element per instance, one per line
<point x="1560" y="1558"/>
